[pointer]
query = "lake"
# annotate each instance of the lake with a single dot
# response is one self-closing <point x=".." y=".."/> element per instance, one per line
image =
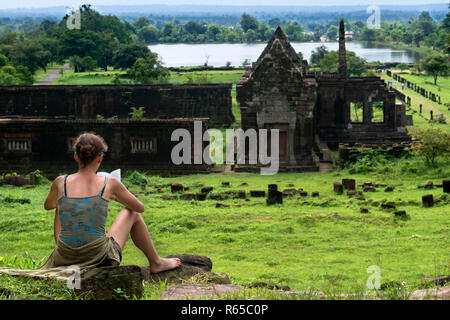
<point x="176" y="55"/>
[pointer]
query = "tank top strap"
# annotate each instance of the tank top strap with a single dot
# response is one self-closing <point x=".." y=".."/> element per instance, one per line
<point x="103" y="188"/>
<point x="64" y="192"/>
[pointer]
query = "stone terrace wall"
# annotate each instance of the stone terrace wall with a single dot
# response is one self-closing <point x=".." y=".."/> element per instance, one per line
<point x="28" y="144"/>
<point x="211" y="101"/>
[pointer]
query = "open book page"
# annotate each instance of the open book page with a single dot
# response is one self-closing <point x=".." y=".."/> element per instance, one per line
<point x="115" y="174"/>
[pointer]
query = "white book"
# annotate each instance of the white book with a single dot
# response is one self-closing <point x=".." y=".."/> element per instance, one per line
<point x="114" y="174"/>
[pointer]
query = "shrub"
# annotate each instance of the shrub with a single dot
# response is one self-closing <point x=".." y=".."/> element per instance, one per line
<point x="433" y="143"/>
<point x="137" y="178"/>
<point x="38" y="177"/>
<point x="137" y="113"/>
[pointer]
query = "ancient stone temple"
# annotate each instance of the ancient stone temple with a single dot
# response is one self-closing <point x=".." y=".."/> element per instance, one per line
<point x="39" y="123"/>
<point x="275" y="94"/>
<point x="315" y="112"/>
<point x="312" y="112"/>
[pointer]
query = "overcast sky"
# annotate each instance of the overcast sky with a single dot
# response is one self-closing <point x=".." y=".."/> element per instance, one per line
<point x="7" y="4"/>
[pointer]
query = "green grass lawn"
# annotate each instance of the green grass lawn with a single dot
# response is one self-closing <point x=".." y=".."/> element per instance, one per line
<point x="105" y="77"/>
<point x="322" y="243"/>
<point x="98" y="76"/>
<point x="421" y="121"/>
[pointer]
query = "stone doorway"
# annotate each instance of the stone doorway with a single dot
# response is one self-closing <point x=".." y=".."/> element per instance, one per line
<point x="282" y="142"/>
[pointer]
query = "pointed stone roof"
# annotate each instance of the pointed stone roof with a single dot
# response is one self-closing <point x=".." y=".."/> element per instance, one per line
<point x="281" y="36"/>
<point x="279" y="49"/>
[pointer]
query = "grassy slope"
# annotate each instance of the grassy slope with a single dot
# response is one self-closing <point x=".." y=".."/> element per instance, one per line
<point x="305" y="243"/>
<point x="422" y="122"/>
<point x="323" y="243"/>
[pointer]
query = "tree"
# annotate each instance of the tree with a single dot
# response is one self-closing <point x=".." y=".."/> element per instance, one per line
<point x="148" y="69"/>
<point x="30" y="54"/>
<point x="195" y="28"/>
<point x="435" y="65"/>
<point x="170" y="33"/>
<point x="318" y="55"/>
<point x="148" y="34"/>
<point x="417" y="37"/>
<point x="356" y="66"/>
<point x="141" y="22"/>
<point x="300" y="55"/>
<point x="332" y="32"/>
<point x="251" y="35"/>
<point x="275" y="22"/>
<point x="396" y="35"/>
<point x="88" y="63"/>
<point x="3" y="60"/>
<point x="246" y="63"/>
<point x="368" y="35"/>
<point x="126" y="55"/>
<point x="426" y="23"/>
<point x="433" y="143"/>
<point x="20" y="75"/>
<point x="249" y="22"/>
<point x="263" y="28"/>
<point x="212" y="32"/>
<point x="76" y="64"/>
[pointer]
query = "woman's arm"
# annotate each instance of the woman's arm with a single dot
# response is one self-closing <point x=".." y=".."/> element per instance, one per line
<point x="52" y="198"/>
<point x="57" y="226"/>
<point x="121" y="194"/>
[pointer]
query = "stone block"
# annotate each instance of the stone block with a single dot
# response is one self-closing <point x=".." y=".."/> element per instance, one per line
<point x="349" y="184"/>
<point x="427" y="200"/>
<point x="274" y="197"/>
<point x="187" y="196"/>
<point x="257" y="193"/>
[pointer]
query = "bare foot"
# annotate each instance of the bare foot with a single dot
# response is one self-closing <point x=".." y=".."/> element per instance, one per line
<point x="165" y="264"/>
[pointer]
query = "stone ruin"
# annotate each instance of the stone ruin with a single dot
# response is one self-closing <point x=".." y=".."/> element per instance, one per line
<point x="313" y="111"/>
<point x="38" y="124"/>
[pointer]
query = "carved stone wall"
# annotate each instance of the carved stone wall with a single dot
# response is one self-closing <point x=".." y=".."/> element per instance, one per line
<point x="211" y="101"/>
<point x="133" y="144"/>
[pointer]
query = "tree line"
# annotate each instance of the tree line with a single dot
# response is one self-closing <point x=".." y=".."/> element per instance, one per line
<point x="106" y="41"/>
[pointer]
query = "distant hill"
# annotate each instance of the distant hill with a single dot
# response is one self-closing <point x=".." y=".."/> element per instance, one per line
<point x="305" y="13"/>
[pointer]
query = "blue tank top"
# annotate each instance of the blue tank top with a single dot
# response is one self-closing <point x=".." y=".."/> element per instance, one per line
<point x="82" y="219"/>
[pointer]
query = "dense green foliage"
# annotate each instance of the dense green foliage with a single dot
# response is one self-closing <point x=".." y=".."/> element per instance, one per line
<point x="356" y="66"/>
<point x="434" y="143"/>
<point x="436" y="65"/>
<point x="148" y="70"/>
<point x="106" y="41"/>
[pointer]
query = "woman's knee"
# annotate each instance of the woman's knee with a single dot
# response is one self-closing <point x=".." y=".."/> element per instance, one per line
<point x="130" y="214"/>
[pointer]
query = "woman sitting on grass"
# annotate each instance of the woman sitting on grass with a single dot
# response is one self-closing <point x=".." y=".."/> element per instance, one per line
<point x="81" y="201"/>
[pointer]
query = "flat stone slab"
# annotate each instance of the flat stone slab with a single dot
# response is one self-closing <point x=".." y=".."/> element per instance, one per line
<point x="103" y="282"/>
<point x="190" y="266"/>
<point x="432" y="294"/>
<point x="181" y="292"/>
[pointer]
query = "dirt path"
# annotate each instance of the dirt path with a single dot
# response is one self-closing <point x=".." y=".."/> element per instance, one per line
<point x="52" y="76"/>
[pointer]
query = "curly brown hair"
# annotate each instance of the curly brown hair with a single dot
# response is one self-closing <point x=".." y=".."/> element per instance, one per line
<point x="89" y="146"/>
